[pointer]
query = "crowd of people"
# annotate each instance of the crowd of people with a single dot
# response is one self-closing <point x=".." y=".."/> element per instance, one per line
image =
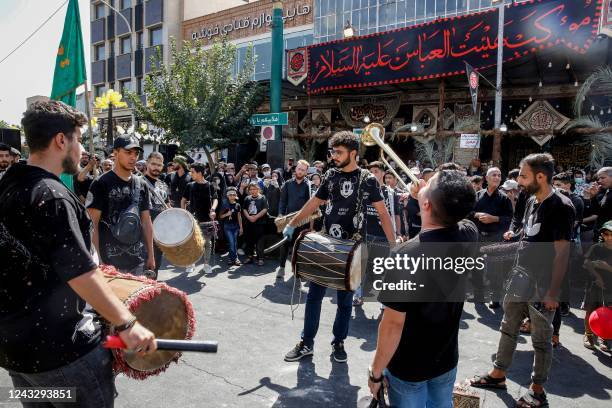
<point x="116" y="201"/>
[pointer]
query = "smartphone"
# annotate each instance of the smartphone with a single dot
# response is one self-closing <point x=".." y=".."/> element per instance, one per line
<point x="312" y="170"/>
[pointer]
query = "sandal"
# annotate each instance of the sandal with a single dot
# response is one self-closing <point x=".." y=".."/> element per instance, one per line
<point x="526" y="326"/>
<point x="486" y="381"/>
<point x="532" y="400"/>
<point x="604" y="345"/>
<point x="588" y="341"/>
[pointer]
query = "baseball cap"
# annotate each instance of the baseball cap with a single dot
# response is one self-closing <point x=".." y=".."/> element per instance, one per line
<point x="607" y="226"/>
<point x="510" y="185"/>
<point x="126" y="142"/>
<point x="265" y="166"/>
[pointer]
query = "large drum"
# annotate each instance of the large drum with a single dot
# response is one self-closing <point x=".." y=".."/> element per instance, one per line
<point x="178" y="235"/>
<point x="164" y="310"/>
<point x="330" y="262"/>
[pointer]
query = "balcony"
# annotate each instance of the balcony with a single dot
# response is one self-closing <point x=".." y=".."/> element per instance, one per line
<point x="154" y="12"/>
<point x="110" y="26"/>
<point x="138" y="63"/>
<point x="152" y="52"/>
<point x="124" y="66"/>
<point x="122" y="28"/>
<point x="110" y="69"/>
<point x="138" y="17"/>
<point x="97" y="30"/>
<point x="98" y="72"/>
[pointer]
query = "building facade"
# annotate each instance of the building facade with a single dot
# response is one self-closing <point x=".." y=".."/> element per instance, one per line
<point x="121" y="54"/>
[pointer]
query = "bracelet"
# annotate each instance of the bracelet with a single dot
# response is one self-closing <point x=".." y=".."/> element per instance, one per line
<point x="127" y="325"/>
<point x="374" y="379"/>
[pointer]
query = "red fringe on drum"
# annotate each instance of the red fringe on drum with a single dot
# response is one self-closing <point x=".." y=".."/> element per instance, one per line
<point x="146" y="295"/>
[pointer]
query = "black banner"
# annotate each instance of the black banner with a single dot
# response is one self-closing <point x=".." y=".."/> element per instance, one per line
<point x="473" y="81"/>
<point x="440" y="48"/>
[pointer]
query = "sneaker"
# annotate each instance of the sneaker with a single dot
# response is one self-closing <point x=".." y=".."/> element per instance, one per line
<point x="281" y="273"/>
<point x="358" y="301"/>
<point x="588" y="342"/>
<point x="604" y="345"/>
<point x="237" y="262"/>
<point x="249" y="260"/>
<point x="298" y="352"/>
<point x="260" y="262"/>
<point x="338" y="352"/>
<point x="564" y="309"/>
<point x="241" y="251"/>
<point x="207" y="268"/>
<point x="494" y="305"/>
<point x="190" y="268"/>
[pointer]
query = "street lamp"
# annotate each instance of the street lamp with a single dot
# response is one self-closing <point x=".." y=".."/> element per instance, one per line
<point x="348" y="30"/>
<point x="498" y="88"/>
<point x="503" y="128"/>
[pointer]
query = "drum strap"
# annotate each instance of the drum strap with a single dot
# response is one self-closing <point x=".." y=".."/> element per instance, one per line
<point x="363" y="174"/>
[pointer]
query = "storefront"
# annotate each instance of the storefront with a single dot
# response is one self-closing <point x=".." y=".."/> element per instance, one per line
<point x="414" y="78"/>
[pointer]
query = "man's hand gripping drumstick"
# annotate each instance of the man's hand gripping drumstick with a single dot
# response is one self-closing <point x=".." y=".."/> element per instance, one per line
<point x="311" y="206"/>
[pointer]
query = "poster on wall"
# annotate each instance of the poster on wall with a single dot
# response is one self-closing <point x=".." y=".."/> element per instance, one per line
<point x="297" y="65"/>
<point x="377" y="108"/>
<point x="541" y="116"/>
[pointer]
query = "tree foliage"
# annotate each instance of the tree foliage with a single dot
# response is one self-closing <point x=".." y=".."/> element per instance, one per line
<point x="197" y="100"/>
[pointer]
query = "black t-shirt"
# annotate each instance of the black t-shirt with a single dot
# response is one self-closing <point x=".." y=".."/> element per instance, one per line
<point x="602" y="206"/>
<point x="600" y="252"/>
<point x="340" y="190"/>
<point x="200" y="197"/>
<point x="44" y="324"/>
<point x="497" y="204"/>
<point x="234" y="208"/>
<point x="160" y="198"/>
<point x="177" y="187"/>
<point x="254" y="205"/>
<point x="112" y="195"/>
<point x="544" y="223"/>
<point x="373" y="225"/>
<point x="429" y="343"/>
<point x="414" y="217"/>
<point x="82" y="187"/>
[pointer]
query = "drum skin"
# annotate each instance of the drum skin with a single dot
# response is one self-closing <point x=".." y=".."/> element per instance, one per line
<point x="164" y="310"/>
<point x="330" y="262"/>
<point x="178" y="235"/>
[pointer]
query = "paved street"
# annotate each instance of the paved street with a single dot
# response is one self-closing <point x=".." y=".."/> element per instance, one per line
<point x="248" y="312"/>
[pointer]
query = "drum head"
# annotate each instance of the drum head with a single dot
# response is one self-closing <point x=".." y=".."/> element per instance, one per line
<point x="356" y="267"/>
<point x="173" y="227"/>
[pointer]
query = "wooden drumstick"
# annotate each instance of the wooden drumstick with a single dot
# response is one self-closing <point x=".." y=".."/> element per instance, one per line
<point x="115" y="342"/>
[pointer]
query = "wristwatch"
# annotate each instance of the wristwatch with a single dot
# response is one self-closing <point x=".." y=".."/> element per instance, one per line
<point x="372" y="378"/>
<point x="127" y="325"/>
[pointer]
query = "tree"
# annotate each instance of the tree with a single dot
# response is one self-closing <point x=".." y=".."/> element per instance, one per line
<point x="197" y="100"/>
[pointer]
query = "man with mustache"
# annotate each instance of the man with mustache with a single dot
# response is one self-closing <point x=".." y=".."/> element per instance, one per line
<point x="160" y="195"/>
<point x="5" y="158"/>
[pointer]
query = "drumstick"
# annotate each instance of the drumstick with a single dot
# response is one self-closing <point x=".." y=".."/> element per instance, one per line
<point x="277" y="245"/>
<point x="115" y="342"/>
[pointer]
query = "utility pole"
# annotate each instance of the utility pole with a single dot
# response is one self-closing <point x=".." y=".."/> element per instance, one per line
<point x="496" y="154"/>
<point x="278" y="51"/>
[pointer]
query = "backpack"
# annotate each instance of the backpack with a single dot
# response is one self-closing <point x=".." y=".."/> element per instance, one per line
<point x="127" y="230"/>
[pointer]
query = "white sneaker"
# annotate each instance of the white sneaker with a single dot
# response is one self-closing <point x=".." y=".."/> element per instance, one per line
<point x="240" y="251"/>
<point x="207" y="268"/>
<point x="281" y="273"/>
<point x="190" y="268"/>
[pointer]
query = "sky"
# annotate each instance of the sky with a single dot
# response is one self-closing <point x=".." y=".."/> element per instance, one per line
<point x="29" y="71"/>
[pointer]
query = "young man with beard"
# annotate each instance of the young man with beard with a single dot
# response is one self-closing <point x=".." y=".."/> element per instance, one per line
<point x="89" y="171"/>
<point x="200" y="196"/>
<point x="178" y="180"/>
<point x="160" y="195"/>
<point x="49" y="334"/>
<point x="601" y="200"/>
<point x="5" y="158"/>
<point x="544" y="254"/>
<point x="112" y="194"/>
<point x="341" y="189"/>
<point x="492" y="215"/>
<point x="418" y="348"/>
<point x="294" y="194"/>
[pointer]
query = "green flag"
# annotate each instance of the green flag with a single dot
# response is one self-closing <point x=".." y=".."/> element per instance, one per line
<point x="70" y="63"/>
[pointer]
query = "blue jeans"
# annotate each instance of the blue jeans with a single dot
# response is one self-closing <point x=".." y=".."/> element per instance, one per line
<point x="434" y="393"/>
<point x="231" y="233"/>
<point x="92" y="375"/>
<point x="313" y="313"/>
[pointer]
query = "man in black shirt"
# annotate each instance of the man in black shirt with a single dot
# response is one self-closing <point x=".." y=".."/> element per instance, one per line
<point x="544" y="254"/>
<point x="492" y="215"/>
<point x="110" y="197"/>
<point x="49" y="281"/>
<point x="200" y="197"/>
<point x="601" y="200"/>
<point x="341" y="189"/>
<point x="5" y="158"/>
<point x="160" y="195"/>
<point x="178" y="180"/>
<point x="421" y="369"/>
<point x="294" y="194"/>
<point x="255" y="209"/>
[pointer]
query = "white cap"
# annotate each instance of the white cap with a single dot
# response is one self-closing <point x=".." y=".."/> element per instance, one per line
<point x="510" y="185"/>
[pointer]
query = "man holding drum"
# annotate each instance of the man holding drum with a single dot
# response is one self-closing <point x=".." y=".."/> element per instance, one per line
<point x="48" y="334"/>
<point x="342" y="188"/>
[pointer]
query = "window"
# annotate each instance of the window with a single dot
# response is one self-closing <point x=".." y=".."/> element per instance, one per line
<point x="126" y="44"/>
<point x="99" y="52"/>
<point x="139" y="86"/>
<point x="126" y="4"/>
<point x="111" y="49"/>
<point x="99" y="11"/>
<point x="139" y="41"/>
<point x="155" y="36"/>
<point x="125" y="86"/>
<point x="99" y="90"/>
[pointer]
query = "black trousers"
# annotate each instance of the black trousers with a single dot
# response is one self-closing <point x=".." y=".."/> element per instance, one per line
<point x="254" y="239"/>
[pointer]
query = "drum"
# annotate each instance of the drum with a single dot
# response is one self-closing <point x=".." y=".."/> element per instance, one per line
<point x="330" y="262"/>
<point x="177" y="234"/>
<point x="164" y="310"/>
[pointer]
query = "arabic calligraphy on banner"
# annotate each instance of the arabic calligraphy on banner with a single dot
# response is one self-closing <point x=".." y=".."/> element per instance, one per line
<point x="440" y="48"/>
<point x="248" y="23"/>
<point x="379" y="109"/>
